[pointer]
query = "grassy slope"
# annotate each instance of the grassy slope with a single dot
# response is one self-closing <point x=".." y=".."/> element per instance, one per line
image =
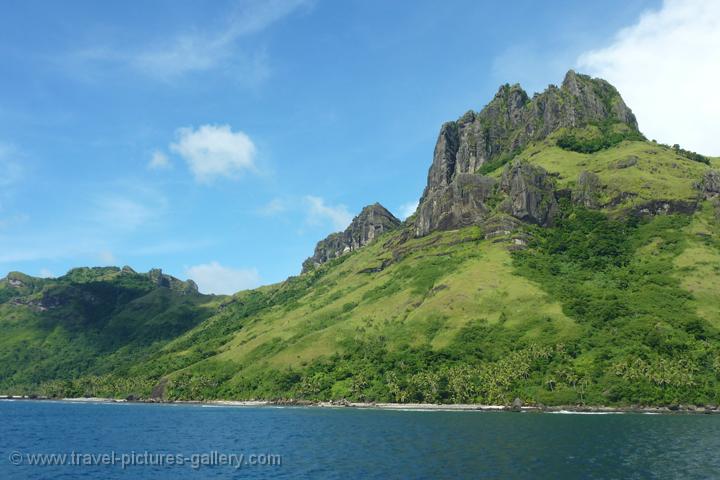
<point x="454" y="317"/>
<point x="449" y="281"/>
<point x="656" y="172"/>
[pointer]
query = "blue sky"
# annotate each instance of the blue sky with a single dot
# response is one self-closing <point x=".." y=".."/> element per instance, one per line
<point x="221" y="140"/>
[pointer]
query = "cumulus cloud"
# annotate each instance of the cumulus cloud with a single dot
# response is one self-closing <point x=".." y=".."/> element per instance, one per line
<point x="407" y="209"/>
<point x="215" y="278"/>
<point x="159" y="161"/>
<point x="666" y="66"/>
<point x="214" y="151"/>
<point x="319" y="212"/>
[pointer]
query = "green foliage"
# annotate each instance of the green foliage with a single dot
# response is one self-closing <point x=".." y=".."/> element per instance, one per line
<point x="601" y="309"/>
<point x="648" y="343"/>
<point x="88" y="324"/>
<point x="496" y="163"/>
<point x="690" y="155"/>
<point x="596" y="137"/>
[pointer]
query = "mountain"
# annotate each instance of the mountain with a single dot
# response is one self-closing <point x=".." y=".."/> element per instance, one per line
<point x="457" y="196"/>
<point x="556" y="256"/>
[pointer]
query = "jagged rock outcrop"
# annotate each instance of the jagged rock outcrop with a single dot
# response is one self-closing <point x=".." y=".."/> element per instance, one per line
<point x="506" y="125"/>
<point x="530" y="193"/>
<point x="372" y="221"/>
<point x="710" y="184"/>
<point x="462" y="203"/>
<point x="160" y="279"/>
<point x="587" y="190"/>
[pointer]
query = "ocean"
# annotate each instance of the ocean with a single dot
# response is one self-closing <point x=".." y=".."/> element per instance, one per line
<point x="63" y="440"/>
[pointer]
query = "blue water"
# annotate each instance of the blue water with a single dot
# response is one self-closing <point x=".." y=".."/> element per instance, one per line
<point x="319" y="443"/>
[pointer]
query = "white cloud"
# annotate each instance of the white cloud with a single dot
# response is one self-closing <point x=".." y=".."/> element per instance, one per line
<point x="319" y="212"/>
<point x="666" y="67"/>
<point x="215" y="278"/>
<point x="198" y="50"/>
<point x="407" y="209"/>
<point x="214" y="151"/>
<point x="159" y="161"/>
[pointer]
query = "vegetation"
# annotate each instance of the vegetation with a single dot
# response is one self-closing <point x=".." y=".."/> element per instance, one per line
<point x="596" y="137"/>
<point x="605" y="307"/>
<point x="696" y="157"/>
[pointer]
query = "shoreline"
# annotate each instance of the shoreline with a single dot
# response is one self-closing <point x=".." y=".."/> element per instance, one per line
<point x="416" y="407"/>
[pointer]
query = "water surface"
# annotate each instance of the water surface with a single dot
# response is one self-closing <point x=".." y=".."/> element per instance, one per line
<point x="318" y="443"/>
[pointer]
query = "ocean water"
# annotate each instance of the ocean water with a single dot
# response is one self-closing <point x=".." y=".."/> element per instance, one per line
<point x="135" y="441"/>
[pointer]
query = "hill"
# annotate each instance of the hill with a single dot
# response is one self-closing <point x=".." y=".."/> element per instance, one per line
<point x="556" y="255"/>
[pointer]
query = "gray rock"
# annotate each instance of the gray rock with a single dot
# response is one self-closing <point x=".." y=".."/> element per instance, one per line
<point x="710" y="184"/>
<point x="627" y="162"/>
<point x="587" y="190"/>
<point x="500" y="225"/>
<point x="664" y="207"/>
<point x="373" y="221"/>
<point x="458" y="204"/>
<point x="530" y="193"/>
<point x="517" y="404"/>
<point x="160" y="279"/>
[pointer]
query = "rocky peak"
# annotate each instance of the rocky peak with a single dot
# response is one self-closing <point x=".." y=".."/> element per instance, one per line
<point x="594" y="99"/>
<point x="372" y="221"/>
<point x="161" y="279"/>
<point x="454" y="194"/>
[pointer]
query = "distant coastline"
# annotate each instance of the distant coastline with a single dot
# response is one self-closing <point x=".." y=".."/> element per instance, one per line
<point x="427" y="407"/>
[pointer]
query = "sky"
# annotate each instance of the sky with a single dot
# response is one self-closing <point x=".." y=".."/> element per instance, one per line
<point x="221" y="140"/>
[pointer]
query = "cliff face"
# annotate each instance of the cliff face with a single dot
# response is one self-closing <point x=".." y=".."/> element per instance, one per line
<point x="372" y="221"/>
<point x="456" y="194"/>
<point x="530" y="193"/>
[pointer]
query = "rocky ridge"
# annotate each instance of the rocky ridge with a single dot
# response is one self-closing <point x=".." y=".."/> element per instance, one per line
<point x="480" y="176"/>
<point x="372" y="222"/>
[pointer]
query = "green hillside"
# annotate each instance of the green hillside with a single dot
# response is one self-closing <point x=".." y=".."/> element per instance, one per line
<point x="607" y="292"/>
<point x="90" y="323"/>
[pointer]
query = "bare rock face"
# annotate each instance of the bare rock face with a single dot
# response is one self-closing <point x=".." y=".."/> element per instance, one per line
<point x="710" y="184"/>
<point x="459" y="204"/>
<point x="506" y="125"/>
<point x="530" y="193"/>
<point x="587" y="190"/>
<point x="373" y="221"/>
